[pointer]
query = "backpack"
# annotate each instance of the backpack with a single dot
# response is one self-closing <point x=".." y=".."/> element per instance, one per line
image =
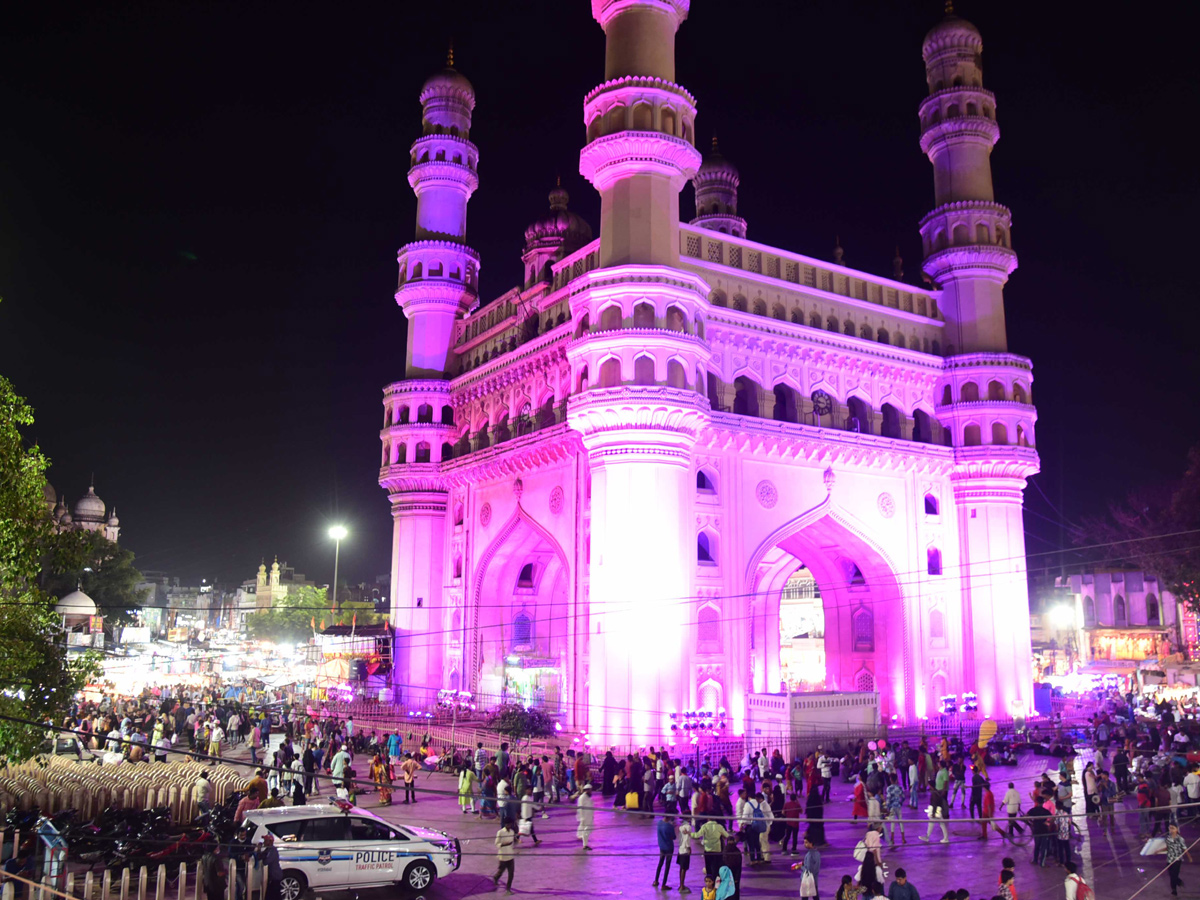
<point x="1083" y="891"/>
<point x="758" y="822"/>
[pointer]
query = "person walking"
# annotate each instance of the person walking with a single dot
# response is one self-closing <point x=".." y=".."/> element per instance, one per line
<point x="684" y="858"/>
<point x="894" y="802"/>
<point x="665" y="832"/>
<point x="810" y="866"/>
<point x="267" y="856"/>
<point x="1012" y="806"/>
<point x="506" y="854"/>
<point x="790" y="817"/>
<point x="467" y="779"/>
<point x="585" y="815"/>
<point x="1074" y="882"/>
<point x="712" y="835"/>
<point x="1177" y="851"/>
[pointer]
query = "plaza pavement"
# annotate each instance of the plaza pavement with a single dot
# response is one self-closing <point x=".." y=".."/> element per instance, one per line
<point x="626" y="852"/>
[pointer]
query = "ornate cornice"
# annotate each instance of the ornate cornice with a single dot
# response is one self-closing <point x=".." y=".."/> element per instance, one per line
<point x="412" y="386"/>
<point x="995" y="462"/>
<point x="963" y="361"/>
<point x="789" y="441"/>
<point x="443" y="171"/>
<point x="640" y="409"/>
<point x="615" y="156"/>
<point x="974" y="208"/>
<point x="511" y="368"/>
<point x="959" y="129"/>
<point x="527" y="453"/>
<point x="990" y="260"/>
<point x="408" y="477"/>
<point x="604" y="11"/>
<point x="934" y="99"/>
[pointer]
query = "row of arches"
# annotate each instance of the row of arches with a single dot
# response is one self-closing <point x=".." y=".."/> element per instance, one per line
<point x="832" y="323"/>
<point x="434" y="267"/>
<point x="966" y="234"/>
<point x="954" y="111"/>
<point x="643" y="315"/>
<point x="673" y="117"/>
<point x="644" y="369"/>
<point x="995" y="390"/>
<point x="1120" y="612"/>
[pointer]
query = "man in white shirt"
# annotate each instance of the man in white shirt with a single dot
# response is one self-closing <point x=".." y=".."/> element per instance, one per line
<point x="585" y="814"/>
<point x="684" y="858"/>
<point x="1012" y="806"/>
<point x="506" y="854"/>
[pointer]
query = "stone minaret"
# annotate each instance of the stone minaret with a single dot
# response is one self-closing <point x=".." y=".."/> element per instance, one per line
<point x="968" y="235"/>
<point x="439" y="282"/>
<point x="638" y="375"/>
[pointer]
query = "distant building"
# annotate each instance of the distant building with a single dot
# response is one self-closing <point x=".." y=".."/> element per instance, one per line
<point x="274" y="585"/>
<point x="88" y="514"/>
<point x="1119" y="619"/>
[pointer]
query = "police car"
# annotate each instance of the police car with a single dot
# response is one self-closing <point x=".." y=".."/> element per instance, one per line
<point x="341" y="847"/>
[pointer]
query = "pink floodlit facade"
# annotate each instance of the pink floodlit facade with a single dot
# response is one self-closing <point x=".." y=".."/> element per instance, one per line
<point x="603" y="481"/>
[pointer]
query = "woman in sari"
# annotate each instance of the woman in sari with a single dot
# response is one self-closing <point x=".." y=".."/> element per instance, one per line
<point x="382" y="776"/>
<point x="814" y="811"/>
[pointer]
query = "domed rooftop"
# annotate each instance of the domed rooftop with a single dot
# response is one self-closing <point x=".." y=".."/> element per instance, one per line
<point x="112" y="518"/>
<point x="76" y="603"/>
<point x="50" y="495"/>
<point x="715" y="164"/>
<point x="447" y="80"/>
<point x="89" y="506"/>
<point x="560" y="223"/>
<point x="952" y="29"/>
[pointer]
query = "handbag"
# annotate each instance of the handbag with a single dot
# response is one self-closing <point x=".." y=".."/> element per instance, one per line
<point x="808" y="885"/>
<point x="631" y="800"/>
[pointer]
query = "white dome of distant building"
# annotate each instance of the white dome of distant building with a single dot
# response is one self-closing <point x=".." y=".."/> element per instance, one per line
<point x="50" y="495"/>
<point x="112" y="518"/>
<point x="76" y="603"/>
<point x="89" y="507"/>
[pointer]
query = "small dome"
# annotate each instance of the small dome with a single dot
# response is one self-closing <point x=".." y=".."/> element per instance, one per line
<point x="448" y="81"/>
<point x="953" y="30"/>
<point x="50" y="495"/>
<point x="112" y="519"/>
<point x="89" y="506"/>
<point x="715" y="164"/>
<point x="76" y="603"/>
<point x="65" y="518"/>
<point x="560" y="223"/>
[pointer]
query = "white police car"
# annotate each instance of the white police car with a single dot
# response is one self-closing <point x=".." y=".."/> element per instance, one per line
<point x="341" y="847"/>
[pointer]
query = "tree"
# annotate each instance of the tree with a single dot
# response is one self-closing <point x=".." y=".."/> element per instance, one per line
<point x="1156" y="530"/>
<point x="37" y="678"/>
<point x="104" y="571"/>
<point x="519" y="723"/>
<point x="293" y="617"/>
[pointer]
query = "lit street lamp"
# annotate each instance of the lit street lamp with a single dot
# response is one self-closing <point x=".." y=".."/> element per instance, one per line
<point x="337" y="532"/>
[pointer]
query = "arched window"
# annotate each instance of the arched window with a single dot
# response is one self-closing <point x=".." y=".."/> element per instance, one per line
<point x="760" y="307"/>
<point x="857" y="579"/>
<point x="832" y="324"/>
<point x="1019" y="394"/>
<point x="675" y="375"/>
<point x="900" y="342"/>
<point x="778" y="312"/>
<point x="947" y="399"/>
<point x="584" y="326"/>
<point x="1089" y="612"/>
<point x="447" y="415"/>
<point x="882" y="336"/>
<point x="931" y="505"/>
<point x="718" y="299"/>
<point x="1119" y="617"/>
<point x="458" y="567"/>
<point x="785" y="404"/>
<point x="814" y="320"/>
<point x="1152" y="614"/>
<point x="643" y="370"/>
<point x="403" y="415"/>
<point x="581" y="383"/>
<point x="401" y="453"/>
<point x="739" y="303"/>
<point x="709" y="696"/>
<point x="458" y="513"/>
<point x="447" y="450"/>
<point x="937" y="625"/>
<point x="705" y="484"/>
<point x="610" y="318"/>
<point x="922" y="427"/>
<point x="797" y="317"/>
<point x="745" y="398"/>
<point x="848" y="328"/>
<point x="643" y="316"/>
<point x="864" y="630"/>
<point x="525" y="579"/>
<point x="422" y="454"/>
<point x="866" y="332"/>
<point x="676" y="320"/>
<point x="969" y="392"/>
<point x="864" y="682"/>
<point x="706" y="551"/>
<point x="999" y="434"/>
<point x="522" y="631"/>
<point x="860" y="415"/>
<point x="890" y="424"/>
<point x="971" y="436"/>
<point x="995" y="390"/>
<point x="934" y="561"/>
<point x="708" y="629"/>
<point x="610" y="373"/>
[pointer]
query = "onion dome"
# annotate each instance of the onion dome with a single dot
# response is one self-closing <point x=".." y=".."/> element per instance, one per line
<point x="952" y="31"/>
<point x="65" y="519"/>
<point x="560" y="226"/>
<point x="76" y="603"/>
<point x="112" y="519"/>
<point x="89" y="507"/>
<point x="60" y="510"/>
<point x="716" y="167"/>
<point x="448" y="81"/>
<point x="49" y="495"/>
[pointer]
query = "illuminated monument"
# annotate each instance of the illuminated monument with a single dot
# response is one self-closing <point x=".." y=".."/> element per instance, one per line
<point x="604" y="481"/>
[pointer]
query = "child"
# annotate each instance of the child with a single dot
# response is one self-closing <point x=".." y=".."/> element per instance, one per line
<point x="527" y="808"/>
<point x="710" y="889"/>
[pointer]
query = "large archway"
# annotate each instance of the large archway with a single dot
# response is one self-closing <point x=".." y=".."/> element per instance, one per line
<point x="864" y="628"/>
<point x="520" y="633"/>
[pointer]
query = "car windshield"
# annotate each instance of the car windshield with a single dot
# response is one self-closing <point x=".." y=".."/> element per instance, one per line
<point x="373" y="830"/>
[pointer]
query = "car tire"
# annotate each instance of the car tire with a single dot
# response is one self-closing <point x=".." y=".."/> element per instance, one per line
<point x="293" y="885"/>
<point x="419" y="875"/>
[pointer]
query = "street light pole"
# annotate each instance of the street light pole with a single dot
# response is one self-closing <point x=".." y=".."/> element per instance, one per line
<point x="337" y="532"/>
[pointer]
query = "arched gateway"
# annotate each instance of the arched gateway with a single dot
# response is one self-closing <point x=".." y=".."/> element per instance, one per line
<point x="670" y="430"/>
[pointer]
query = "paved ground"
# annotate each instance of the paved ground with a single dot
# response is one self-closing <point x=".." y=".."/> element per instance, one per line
<point x="622" y="863"/>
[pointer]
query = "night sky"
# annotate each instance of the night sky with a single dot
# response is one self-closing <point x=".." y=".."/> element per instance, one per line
<point x="200" y="206"/>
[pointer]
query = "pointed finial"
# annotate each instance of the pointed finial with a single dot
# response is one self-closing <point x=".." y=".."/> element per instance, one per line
<point x="949" y="7"/>
<point x="897" y="266"/>
<point x="838" y="252"/>
<point x="558" y="181"/>
<point x="450" y="54"/>
<point x="714" y="150"/>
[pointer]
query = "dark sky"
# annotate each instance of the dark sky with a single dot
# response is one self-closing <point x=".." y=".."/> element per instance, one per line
<point x="200" y="206"/>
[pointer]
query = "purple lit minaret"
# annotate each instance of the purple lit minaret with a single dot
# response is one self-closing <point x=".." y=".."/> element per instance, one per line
<point x="439" y="280"/>
<point x="967" y="241"/>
